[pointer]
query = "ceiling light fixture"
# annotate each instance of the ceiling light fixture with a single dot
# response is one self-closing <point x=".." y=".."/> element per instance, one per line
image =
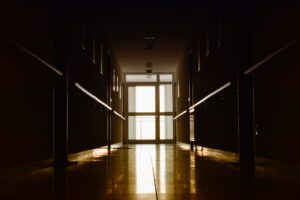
<point x="149" y="38"/>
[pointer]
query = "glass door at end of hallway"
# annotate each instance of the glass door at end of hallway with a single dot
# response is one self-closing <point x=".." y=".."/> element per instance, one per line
<point x="149" y="121"/>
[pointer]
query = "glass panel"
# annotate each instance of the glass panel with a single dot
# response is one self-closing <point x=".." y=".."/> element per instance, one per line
<point x="141" y="127"/>
<point x="166" y="127"/>
<point x="166" y="98"/>
<point x="114" y="80"/>
<point x="192" y="128"/>
<point x="141" y="78"/>
<point x="178" y="89"/>
<point x="117" y="84"/>
<point x="141" y="99"/>
<point x="165" y="78"/>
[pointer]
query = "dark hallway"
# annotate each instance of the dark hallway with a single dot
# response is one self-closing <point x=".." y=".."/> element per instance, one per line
<point x="149" y="99"/>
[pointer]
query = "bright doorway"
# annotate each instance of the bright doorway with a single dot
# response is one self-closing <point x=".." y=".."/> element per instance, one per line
<point x="149" y="108"/>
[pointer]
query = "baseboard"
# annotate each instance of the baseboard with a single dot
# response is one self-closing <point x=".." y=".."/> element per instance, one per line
<point x="92" y="152"/>
<point x="117" y="145"/>
<point x="25" y="169"/>
<point x="149" y="142"/>
<point x="183" y="145"/>
<point x="234" y="157"/>
<point x="259" y="161"/>
<point x="210" y="152"/>
<point x="217" y="153"/>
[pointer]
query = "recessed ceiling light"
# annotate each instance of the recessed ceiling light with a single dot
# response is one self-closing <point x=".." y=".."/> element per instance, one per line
<point x="149" y="38"/>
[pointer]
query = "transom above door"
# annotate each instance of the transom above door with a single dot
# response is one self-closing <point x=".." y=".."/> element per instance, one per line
<point x="149" y="108"/>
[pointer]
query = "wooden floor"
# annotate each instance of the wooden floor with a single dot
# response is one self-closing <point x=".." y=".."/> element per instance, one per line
<point x="155" y="172"/>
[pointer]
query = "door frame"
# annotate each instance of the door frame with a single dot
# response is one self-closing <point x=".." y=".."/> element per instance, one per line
<point x="157" y="112"/>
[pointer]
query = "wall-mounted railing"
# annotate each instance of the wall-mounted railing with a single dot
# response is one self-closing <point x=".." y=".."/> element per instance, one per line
<point x="119" y="115"/>
<point x="98" y="100"/>
<point x="92" y="96"/>
<point x="16" y="44"/>
<point x="192" y="108"/>
<point x="210" y="95"/>
<point x="269" y="57"/>
<point x="180" y="114"/>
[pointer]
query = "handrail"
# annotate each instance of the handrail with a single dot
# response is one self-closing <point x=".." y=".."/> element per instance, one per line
<point x="210" y="95"/>
<point x="177" y="116"/>
<point x="258" y="64"/>
<point x="57" y="71"/>
<point x="92" y="96"/>
<point x="119" y="115"/>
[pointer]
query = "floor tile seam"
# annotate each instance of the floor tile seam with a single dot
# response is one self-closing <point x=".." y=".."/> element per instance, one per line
<point x="154" y="179"/>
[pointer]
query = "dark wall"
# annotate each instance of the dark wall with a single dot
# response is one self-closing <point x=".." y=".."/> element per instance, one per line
<point x="216" y="122"/>
<point x="89" y="121"/>
<point x="277" y="107"/>
<point x="182" y="123"/>
<point x="26" y="84"/>
<point x="101" y="18"/>
<point x="216" y="119"/>
<point x="257" y="33"/>
<point x="117" y="105"/>
<point x="277" y="82"/>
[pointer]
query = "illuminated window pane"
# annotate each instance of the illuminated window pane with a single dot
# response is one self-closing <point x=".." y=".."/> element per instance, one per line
<point x="165" y="78"/>
<point x="141" y="127"/>
<point x="114" y="80"/>
<point x="166" y="127"/>
<point x="141" y="78"/>
<point x="141" y="99"/>
<point x="166" y="98"/>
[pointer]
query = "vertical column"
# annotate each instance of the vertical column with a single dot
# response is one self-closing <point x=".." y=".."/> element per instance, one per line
<point x="245" y="28"/>
<point x="157" y="111"/>
<point x="191" y="63"/>
<point x="109" y="97"/>
<point x="60" y="146"/>
<point x="246" y="120"/>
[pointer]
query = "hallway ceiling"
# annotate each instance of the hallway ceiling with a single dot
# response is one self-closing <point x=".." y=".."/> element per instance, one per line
<point x="125" y="26"/>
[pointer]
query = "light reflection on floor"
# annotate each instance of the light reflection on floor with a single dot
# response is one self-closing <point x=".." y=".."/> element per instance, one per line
<point x="154" y="172"/>
<point x="143" y="171"/>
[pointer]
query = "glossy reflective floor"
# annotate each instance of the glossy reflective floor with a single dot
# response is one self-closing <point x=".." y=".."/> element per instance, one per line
<point x="155" y="172"/>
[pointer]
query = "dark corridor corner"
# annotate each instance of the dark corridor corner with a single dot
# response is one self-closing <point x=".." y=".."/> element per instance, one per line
<point x="58" y="60"/>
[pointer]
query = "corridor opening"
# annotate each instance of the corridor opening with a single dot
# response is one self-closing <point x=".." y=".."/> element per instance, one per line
<point x="149" y="108"/>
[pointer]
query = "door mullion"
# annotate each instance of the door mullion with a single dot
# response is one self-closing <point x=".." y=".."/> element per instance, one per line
<point x="157" y="103"/>
<point x="141" y="113"/>
<point x="166" y="113"/>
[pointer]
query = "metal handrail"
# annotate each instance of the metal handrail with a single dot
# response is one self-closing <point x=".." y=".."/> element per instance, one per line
<point x="53" y="68"/>
<point x="119" y="115"/>
<point x="210" y="95"/>
<point x="92" y="96"/>
<point x="260" y="63"/>
<point x="179" y="115"/>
